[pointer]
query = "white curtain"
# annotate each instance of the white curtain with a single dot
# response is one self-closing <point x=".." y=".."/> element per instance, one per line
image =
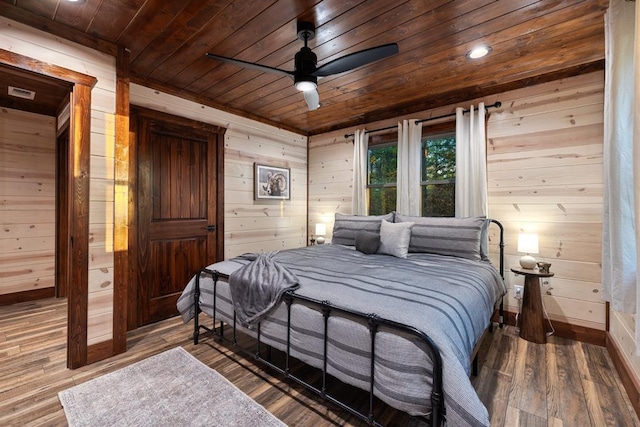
<point x="621" y="215"/>
<point x="359" y="201"/>
<point x="408" y="180"/>
<point x="471" y="162"/>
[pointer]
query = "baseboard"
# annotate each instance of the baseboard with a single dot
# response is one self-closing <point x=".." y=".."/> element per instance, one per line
<point x="100" y="351"/>
<point x="629" y="380"/>
<point x="565" y="330"/>
<point x="24" y="296"/>
<point x="580" y="333"/>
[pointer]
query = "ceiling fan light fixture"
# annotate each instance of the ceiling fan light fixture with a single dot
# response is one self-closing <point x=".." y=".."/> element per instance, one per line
<point x="479" y="52"/>
<point x="306" y="84"/>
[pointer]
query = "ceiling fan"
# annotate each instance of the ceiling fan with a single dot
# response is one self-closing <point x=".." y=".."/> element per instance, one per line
<point x="306" y="73"/>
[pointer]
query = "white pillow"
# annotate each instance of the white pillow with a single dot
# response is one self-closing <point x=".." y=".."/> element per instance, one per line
<point x="395" y="238"/>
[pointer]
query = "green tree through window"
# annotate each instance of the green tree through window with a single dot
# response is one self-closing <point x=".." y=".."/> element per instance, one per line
<point x="382" y="176"/>
<point x="437" y="178"/>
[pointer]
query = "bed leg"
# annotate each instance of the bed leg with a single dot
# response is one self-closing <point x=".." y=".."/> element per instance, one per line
<point x="437" y="410"/>
<point x="196" y="329"/>
<point x="501" y="312"/>
<point x="196" y="310"/>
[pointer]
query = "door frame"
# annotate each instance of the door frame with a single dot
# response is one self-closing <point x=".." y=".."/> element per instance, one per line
<point x="63" y="213"/>
<point x="136" y="114"/>
<point x="78" y="185"/>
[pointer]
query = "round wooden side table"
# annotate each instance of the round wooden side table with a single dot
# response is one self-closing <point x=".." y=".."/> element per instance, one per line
<point x="532" y="316"/>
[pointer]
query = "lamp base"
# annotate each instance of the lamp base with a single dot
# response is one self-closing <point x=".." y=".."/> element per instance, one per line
<point x="319" y="240"/>
<point x="528" y="262"/>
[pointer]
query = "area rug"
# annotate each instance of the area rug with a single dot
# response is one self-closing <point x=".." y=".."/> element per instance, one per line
<point x="169" y="389"/>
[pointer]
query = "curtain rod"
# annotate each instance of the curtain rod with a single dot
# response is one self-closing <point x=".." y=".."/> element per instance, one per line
<point x="496" y="104"/>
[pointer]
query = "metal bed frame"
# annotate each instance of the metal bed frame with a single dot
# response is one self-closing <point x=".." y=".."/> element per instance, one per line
<point x="373" y="321"/>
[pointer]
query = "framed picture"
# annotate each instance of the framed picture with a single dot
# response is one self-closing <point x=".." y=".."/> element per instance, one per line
<point x="271" y="182"/>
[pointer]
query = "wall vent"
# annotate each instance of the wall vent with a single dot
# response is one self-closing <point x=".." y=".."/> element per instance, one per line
<point x="21" y="93"/>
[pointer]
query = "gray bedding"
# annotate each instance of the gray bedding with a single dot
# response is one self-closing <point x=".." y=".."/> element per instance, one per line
<point x="451" y="299"/>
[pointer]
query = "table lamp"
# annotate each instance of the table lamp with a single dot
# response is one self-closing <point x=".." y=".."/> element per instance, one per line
<point x="321" y="231"/>
<point x="528" y="243"/>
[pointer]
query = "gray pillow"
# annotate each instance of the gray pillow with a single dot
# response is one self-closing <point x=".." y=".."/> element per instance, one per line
<point x="345" y="227"/>
<point x="367" y="242"/>
<point x="458" y="237"/>
<point x="484" y="240"/>
<point x="394" y="238"/>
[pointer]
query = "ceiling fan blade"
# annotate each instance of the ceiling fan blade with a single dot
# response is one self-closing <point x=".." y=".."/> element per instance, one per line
<point x="312" y="98"/>
<point x="356" y="59"/>
<point x="250" y="65"/>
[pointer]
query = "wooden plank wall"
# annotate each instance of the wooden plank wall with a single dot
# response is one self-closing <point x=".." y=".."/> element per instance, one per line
<point x="545" y="176"/>
<point x="47" y="48"/>
<point x="250" y="225"/>
<point x="27" y="195"/>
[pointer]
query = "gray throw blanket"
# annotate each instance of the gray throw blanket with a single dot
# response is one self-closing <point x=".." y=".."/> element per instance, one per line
<point x="257" y="288"/>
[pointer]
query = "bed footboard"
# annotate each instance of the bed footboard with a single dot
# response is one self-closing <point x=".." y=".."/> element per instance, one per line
<point x="373" y="322"/>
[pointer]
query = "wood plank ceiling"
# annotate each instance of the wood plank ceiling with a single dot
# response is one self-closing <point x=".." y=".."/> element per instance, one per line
<point x="532" y="42"/>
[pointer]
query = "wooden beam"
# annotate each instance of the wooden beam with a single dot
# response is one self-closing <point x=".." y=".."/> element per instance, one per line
<point x="25" y="63"/>
<point x="121" y="205"/>
<point x="79" y="268"/>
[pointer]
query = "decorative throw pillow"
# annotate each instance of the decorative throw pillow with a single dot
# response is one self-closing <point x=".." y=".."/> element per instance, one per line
<point x="395" y="238"/>
<point x="458" y="237"/>
<point x="367" y="242"/>
<point x="345" y="227"/>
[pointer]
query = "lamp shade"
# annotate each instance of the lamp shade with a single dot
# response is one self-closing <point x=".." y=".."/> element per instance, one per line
<point x="321" y="230"/>
<point x="528" y="243"/>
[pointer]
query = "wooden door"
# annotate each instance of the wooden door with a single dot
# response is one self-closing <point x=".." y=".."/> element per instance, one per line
<point x="178" y="210"/>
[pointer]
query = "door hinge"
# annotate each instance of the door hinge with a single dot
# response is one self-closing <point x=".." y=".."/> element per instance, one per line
<point x="210" y="228"/>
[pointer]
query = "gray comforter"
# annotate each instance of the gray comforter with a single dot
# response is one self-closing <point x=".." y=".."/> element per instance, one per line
<point x="451" y="299"/>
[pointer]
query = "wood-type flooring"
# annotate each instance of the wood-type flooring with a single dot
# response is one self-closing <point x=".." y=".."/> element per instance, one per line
<point x="563" y="383"/>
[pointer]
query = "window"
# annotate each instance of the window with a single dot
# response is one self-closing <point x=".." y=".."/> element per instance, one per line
<point x="438" y="172"/>
<point x="382" y="174"/>
<point x="438" y="177"/>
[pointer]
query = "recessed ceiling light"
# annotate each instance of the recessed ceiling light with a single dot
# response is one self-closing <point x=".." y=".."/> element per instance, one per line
<point x="77" y="1"/>
<point x="479" y="52"/>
